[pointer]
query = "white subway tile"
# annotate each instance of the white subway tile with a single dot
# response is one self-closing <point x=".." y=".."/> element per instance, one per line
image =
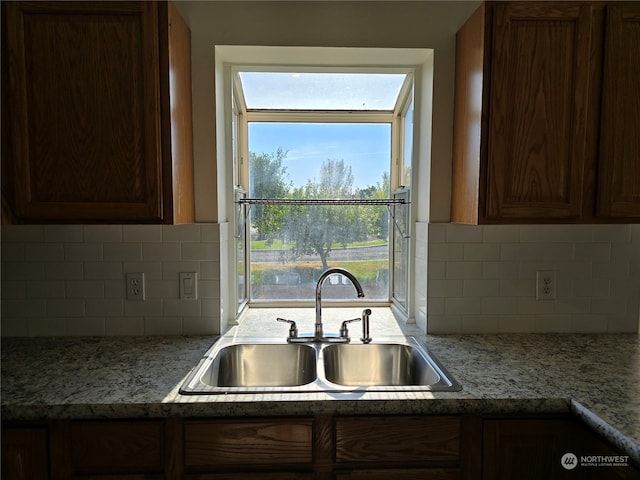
<point x="84" y="289"/>
<point x="181" y="233"/>
<point x="611" y="233"/>
<point x="209" y="270"/>
<point x="43" y="252"/>
<point x="14" y="327"/>
<point x="200" y="252"/>
<point x="516" y="323"/>
<point x="86" y="327"/>
<point x="142" y="233"/>
<point x="48" y="327"/>
<point x="593" y="251"/>
<point x="444" y="288"/>
<point x="83" y="252"/>
<point x="480" y="324"/>
<point x="22" y="233"/>
<point x="22" y="271"/>
<point x="572" y="306"/>
<point x="445" y="252"/>
<point x="211" y="308"/>
<point x="481" y="252"/>
<point x="464" y="233"/>
<point x="615" y="270"/>
<point x="104" y="307"/>
<point x="437" y="232"/>
<point x="44" y="289"/>
<point x="435" y="306"/>
<point x="163" y="325"/>
<point x="63" y="271"/>
<point x="531" y="306"/>
<point x="163" y="289"/>
<point x="523" y="287"/>
<point x="463" y="306"/>
<point x="499" y="305"/>
<point x="23" y="308"/>
<point x="501" y="234"/>
<point x="151" y="307"/>
<point x="463" y="270"/>
<point x="209" y="232"/>
<point x="171" y="270"/>
<point x="13" y="252"/>
<point x="589" y="324"/>
<point x="623" y="324"/>
<point x="591" y="287"/>
<point x="553" y="323"/>
<point x="151" y="270"/>
<point x="200" y="326"/>
<point x="625" y="251"/>
<point x="439" y="325"/>
<point x="114" y="288"/>
<point x="103" y="233"/>
<point x="555" y="233"/>
<point x="12" y="289"/>
<point x="480" y="288"/>
<point x="155" y="252"/>
<point x="124" y="326"/>
<point x="500" y="270"/>
<point x="123" y="252"/>
<point x="103" y="271"/>
<point x="208" y="289"/>
<point x="609" y="305"/>
<point x="176" y="307"/>
<point x="62" y="233"/>
<point x="629" y="288"/>
<point x="65" y="307"/>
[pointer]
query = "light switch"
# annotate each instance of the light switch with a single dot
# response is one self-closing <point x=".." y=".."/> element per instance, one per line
<point x="188" y="285"/>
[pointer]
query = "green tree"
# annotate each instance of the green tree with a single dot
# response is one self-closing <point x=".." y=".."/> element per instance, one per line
<point x="268" y="178"/>
<point x="314" y="230"/>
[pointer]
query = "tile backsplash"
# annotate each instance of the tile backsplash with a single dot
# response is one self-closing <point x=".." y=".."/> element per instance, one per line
<point x="69" y="279"/>
<point x="483" y="278"/>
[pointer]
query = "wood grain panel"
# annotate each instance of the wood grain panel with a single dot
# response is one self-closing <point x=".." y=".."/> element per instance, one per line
<point x="24" y="454"/>
<point x="85" y="105"/>
<point x="619" y="167"/>
<point x="539" y="98"/>
<point x="397" y="439"/>
<point x="280" y="441"/>
<point x="117" y="447"/>
<point x="401" y="474"/>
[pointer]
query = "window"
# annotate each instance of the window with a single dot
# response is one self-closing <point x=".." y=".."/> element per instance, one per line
<point x="318" y="155"/>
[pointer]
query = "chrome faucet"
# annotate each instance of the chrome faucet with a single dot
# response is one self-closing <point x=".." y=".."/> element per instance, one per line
<point x="319" y="334"/>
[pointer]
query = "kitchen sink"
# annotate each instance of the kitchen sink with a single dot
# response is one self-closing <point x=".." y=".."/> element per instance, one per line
<point x="377" y="364"/>
<point x="262" y="365"/>
<point x="251" y="365"/>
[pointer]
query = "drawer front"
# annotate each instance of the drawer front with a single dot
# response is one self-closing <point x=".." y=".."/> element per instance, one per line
<point x="398" y="439"/>
<point x="221" y="442"/>
<point x="104" y="447"/>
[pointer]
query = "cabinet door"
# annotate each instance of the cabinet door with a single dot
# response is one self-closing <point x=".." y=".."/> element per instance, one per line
<point x="619" y="168"/>
<point x="84" y="94"/>
<point x="539" y="91"/>
<point x="24" y="454"/>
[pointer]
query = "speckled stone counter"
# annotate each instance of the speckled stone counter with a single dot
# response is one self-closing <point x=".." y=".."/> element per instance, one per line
<point x="597" y="377"/>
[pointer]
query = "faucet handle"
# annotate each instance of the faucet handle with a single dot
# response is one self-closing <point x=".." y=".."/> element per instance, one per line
<point x="344" y="331"/>
<point x="293" y="330"/>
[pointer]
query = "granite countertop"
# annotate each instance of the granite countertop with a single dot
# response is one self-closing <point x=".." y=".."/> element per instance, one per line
<point x="597" y="377"/>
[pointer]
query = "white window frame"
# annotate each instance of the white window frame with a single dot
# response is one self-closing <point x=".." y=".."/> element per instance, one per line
<point x="418" y="60"/>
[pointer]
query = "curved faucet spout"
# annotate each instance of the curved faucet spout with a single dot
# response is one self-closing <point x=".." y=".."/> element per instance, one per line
<point x="330" y="271"/>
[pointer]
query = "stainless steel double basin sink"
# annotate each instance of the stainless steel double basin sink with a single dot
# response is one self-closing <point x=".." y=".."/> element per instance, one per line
<point x="251" y="365"/>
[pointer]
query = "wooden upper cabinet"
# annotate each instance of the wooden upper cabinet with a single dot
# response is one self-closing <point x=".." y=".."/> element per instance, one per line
<point x="527" y="115"/>
<point x="92" y="115"/>
<point x="619" y="166"/>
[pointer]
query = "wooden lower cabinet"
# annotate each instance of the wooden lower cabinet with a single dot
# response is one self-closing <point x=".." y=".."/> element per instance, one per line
<point x="552" y="448"/>
<point x="25" y="453"/>
<point x="322" y="447"/>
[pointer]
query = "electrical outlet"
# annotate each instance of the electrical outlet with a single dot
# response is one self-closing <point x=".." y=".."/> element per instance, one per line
<point x="135" y="285"/>
<point x="546" y="285"/>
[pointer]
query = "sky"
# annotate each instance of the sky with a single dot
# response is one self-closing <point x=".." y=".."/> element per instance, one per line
<point x="365" y="147"/>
